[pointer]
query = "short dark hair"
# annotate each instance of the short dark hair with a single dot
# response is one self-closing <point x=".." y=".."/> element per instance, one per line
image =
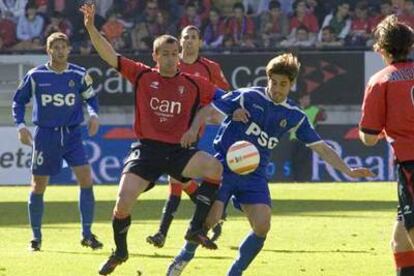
<point x="274" y="4"/>
<point x="394" y="37"/>
<point x="191" y="28"/>
<point x="159" y="41"/>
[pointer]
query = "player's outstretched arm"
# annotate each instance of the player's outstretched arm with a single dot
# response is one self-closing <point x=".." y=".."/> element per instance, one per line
<point x="333" y="159"/>
<point x="200" y="119"/>
<point x="102" y="46"/>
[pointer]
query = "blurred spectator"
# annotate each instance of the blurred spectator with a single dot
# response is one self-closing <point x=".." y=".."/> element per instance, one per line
<point x="103" y="7"/>
<point x="339" y="21"/>
<point x="256" y="7"/>
<point x="13" y="8"/>
<point x="214" y="30"/>
<point x="329" y="38"/>
<point x="301" y="39"/>
<point x="398" y="6"/>
<point x="274" y="25"/>
<point x="7" y="32"/>
<point x="129" y="8"/>
<point x="302" y="17"/>
<point x="113" y="27"/>
<point x="150" y="12"/>
<point x="29" y="30"/>
<point x="407" y="14"/>
<point x="385" y="10"/>
<point x="113" y="30"/>
<point x="42" y="6"/>
<point x="58" y="24"/>
<point x="360" y="27"/>
<point x="319" y="8"/>
<point x="241" y="27"/>
<point x="228" y="43"/>
<point x="190" y="17"/>
<point x="85" y="48"/>
<point x="225" y="7"/>
<point x="287" y="6"/>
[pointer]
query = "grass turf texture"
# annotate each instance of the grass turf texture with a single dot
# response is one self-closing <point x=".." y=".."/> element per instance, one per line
<point x="319" y="229"/>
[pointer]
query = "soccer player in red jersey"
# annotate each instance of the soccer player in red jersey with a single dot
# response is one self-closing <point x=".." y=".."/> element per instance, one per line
<point x="166" y="101"/>
<point x="388" y="109"/>
<point x="190" y="62"/>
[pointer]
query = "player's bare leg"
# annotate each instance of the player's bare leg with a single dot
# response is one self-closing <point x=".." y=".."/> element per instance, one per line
<point x="86" y="206"/>
<point x="403" y="249"/>
<point x="35" y="207"/>
<point x="130" y="187"/>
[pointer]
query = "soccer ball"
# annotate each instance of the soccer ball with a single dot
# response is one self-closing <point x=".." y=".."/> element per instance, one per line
<point x="243" y="157"/>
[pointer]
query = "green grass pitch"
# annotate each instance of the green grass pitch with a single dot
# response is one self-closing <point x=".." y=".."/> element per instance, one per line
<point x="317" y="229"/>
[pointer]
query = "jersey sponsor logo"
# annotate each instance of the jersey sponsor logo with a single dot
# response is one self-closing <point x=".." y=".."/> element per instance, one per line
<point x="58" y="99"/>
<point x="262" y="137"/>
<point x="155" y="84"/>
<point x="166" y="107"/>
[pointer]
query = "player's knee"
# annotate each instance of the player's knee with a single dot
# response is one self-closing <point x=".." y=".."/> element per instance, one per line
<point x="262" y="229"/>
<point x="120" y="213"/>
<point x="213" y="168"/>
<point x="38" y="185"/>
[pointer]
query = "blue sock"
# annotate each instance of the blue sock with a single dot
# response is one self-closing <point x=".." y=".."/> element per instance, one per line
<point x="86" y="208"/>
<point x="248" y="250"/>
<point x="187" y="252"/>
<point x="35" y="206"/>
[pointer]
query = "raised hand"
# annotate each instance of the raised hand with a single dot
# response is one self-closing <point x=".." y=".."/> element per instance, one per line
<point x="360" y="172"/>
<point x="88" y="11"/>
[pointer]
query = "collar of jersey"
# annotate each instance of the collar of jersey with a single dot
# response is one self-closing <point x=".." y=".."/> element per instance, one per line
<point x="50" y="68"/>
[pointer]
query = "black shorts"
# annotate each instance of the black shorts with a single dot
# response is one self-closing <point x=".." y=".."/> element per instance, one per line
<point x="150" y="159"/>
<point x="405" y="178"/>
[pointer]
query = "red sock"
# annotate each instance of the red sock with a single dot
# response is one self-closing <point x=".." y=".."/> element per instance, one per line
<point x="404" y="259"/>
<point x="191" y="188"/>
<point x="176" y="188"/>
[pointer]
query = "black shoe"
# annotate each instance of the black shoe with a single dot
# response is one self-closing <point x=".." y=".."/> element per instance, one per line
<point x="157" y="240"/>
<point x="35" y="245"/>
<point x="113" y="261"/>
<point x="217" y="231"/>
<point x="92" y="242"/>
<point x="200" y="237"/>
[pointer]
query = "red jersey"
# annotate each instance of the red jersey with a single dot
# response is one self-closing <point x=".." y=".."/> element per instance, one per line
<point x="208" y="69"/>
<point x="164" y="107"/>
<point x="389" y="105"/>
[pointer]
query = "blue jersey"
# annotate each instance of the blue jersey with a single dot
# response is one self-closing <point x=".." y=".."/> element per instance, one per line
<point x="269" y="121"/>
<point x="57" y="97"/>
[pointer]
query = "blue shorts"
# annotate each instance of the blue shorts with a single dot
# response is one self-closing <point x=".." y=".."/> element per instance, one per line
<point x="52" y="145"/>
<point x="245" y="189"/>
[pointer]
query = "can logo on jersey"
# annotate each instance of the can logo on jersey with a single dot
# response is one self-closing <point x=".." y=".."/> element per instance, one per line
<point x="283" y="123"/>
<point x="71" y="83"/>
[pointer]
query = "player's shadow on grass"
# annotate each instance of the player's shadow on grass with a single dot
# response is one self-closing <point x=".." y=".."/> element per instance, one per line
<point x="135" y="255"/>
<point x="15" y="213"/>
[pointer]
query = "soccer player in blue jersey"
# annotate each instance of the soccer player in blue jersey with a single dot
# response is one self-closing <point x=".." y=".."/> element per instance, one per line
<point x="59" y="90"/>
<point x="269" y="114"/>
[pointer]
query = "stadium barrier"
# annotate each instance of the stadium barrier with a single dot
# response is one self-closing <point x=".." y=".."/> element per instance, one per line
<point x="107" y="150"/>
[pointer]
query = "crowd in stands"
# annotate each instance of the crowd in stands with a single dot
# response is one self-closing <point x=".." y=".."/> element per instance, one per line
<point x="132" y="25"/>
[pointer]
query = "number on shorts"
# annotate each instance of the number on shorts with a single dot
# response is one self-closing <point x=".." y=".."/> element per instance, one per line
<point x="38" y="158"/>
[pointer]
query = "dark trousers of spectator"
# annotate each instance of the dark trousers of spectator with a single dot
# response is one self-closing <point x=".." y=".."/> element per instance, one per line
<point x="301" y="162"/>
